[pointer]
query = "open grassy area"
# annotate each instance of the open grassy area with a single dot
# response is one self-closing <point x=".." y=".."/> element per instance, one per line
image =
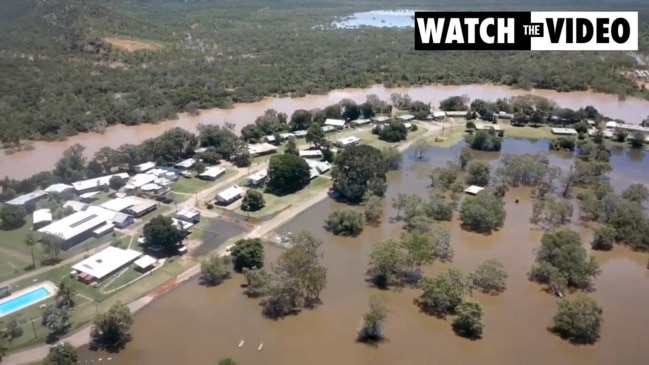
<point x="528" y="132"/>
<point x="373" y="140"/>
<point x="185" y="186"/>
<point x="14" y="240"/>
<point x="450" y="137"/>
<point x="125" y="277"/>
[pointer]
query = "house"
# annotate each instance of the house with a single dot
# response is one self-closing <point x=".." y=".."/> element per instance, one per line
<point x="122" y="220"/>
<point x="155" y="189"/>
<point x="261" y="149"/>
<point x="164" y="174"/>
<point x="41" y="218"/>
<point x="406" y="118"/>
<point x="438" y="115"/>
<point x="143" y="208"/>
<point x="611" y="125"/>
<point x="145" y="263"/>
<point x="74" y="228"/>
<point x="187" y="215"/>
<point x="407" y="125"/>
<point x="318" y="168"/>
<point x="144" y="167"/>
<point x="200" y="150"/>
<point x="504" y="115"/>
<point x="360" y="121"/>
<point x="285" y="136"/>
<point x="457" y="113"/>
<point x="59" y="188"/>
<point x="75" y="205"/>
<point x="473" y="190"/>
<point x="381" y="119"/>
<point x="229" y="195"/>
<point x="28" y="201"/>
<point x="329" y="129"/>
<point x="311" y="154"/>
<point x="564" y="131"/>
<point x="347" y="141"/>
<point x="336" y="123"/>
<point x="89" y="197"/>
<point x="270" y="139"/>
<point x="121" y="204"/>
<point x="103" y="230"/>
<point x="182" y="225"/>
<point x="258" y="177"/>
<point x="186" y="164"/>
<point x="493" y="127"/>
<point x="212" y="173"/>
<point x="96" y="183"/>
<point x="139" y="180"/>
<point x="104" y="263"/>
<point x="300" y="134"/>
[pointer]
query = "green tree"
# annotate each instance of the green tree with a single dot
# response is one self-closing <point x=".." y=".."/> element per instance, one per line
<point x="71" y="167"/>
<point x="116" y="183"/>
<point x="214" y="269"/>
<point x="393" y="157"/>
<point x="62" y="354"/>
<point x="346" y="222"/>
<point x="253" y="201"/>
<point x="258" y="282"/>
<point x="315" y="135"/>
<point x="162" y="231"/>
<point x="248" y="254"/>
<point x="443" y="293"/>
<point x="359" y="169"/>
<point x="638" y="140"/>
<point x="483" y="213"/>
<point x="242" y="158"/>
<point x="287" y="174"/>
<point x="56" y="319"/>
<point x="112" y="328"/>
<point x="227" y="361"/>
<point x="399" y="202"/>
<point x="490" y="277"/>
<point x="562" y="252"/>
<point x="453" y="103"/>
<point x="636" y="193"/>
<point x="441" y="178"/>
<point x="578" y="320"/>
<point x="4" y="347"/>
<point x="466" y="156"/>
<point x="66" y="293"/>
<point x="30" y="241"/>
<point x="200" y="167"/>
<point x="479" y="173"/>
<point x="291" y="147"/>
<point x="373" y="321"/>
<point x="12" y="217"/>
<point x="224" y="141"/>
<point x="300" y="120"/>
<point x="387" y="262"/>
<point x="13" y="330"/>
<point x="393" y="132"/>
<point x="468" y="322"/>
<point x="421" y="146"/>
<point x="484" y="141"/>
<point x="373" y="208"/>
<point x="604" y="238"/>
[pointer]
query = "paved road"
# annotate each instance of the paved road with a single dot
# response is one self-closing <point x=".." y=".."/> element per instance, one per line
<point x="82" y="337"/>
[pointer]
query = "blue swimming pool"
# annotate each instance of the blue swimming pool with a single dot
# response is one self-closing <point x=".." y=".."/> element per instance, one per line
<point x="23" y="301"/>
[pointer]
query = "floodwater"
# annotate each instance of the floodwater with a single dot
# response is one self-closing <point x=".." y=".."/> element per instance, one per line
<point x="26" y="163"/>
<point x="197" y="325"/>
<point x="378" y="19"/>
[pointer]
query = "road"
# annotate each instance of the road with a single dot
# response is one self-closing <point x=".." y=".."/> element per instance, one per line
<point x="82" y="337"/>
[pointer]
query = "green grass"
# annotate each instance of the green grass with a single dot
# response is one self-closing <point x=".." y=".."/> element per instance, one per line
<point x="125" y="277"/>
<point x="529" y="132"/>
<point x="373" y="140"/>
<point x="15" y="239"/>
<point x="191" y="186"/>
<point x="450" y="137"/>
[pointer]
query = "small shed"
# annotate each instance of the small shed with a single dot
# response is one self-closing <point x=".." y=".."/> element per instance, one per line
<point x="41" y="218"/>
<point x="145" y="263"/>
<point x="188" y="215"/>
<point x="406" y="117"/>
<point x="258" y="177"/>
<point x="229" y="195"/>
<point x="311" y="154"/>
<point x="473" y="190"/>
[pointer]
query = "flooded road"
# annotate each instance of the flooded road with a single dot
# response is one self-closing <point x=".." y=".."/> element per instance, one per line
<point x="197" y="325"/>
<point x="26" y="163"/>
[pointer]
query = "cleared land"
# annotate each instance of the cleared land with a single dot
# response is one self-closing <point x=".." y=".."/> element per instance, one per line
<point x="131" y="45"/>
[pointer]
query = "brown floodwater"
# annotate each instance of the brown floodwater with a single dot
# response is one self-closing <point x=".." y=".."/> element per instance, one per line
<point x="26" y="163"/>
<point x="197" y="325"/>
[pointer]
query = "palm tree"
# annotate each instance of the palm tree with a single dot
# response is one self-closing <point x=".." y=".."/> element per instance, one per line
<point x="30" y="241"/>
<point x="66" y="293"/>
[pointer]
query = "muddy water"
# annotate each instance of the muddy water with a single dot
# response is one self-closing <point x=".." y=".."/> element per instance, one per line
<point x="196" y="325"/>
<point x="26" y="163"/>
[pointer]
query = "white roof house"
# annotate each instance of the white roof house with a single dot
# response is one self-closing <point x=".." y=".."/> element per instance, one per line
<point x="41" y="216"/>
<point x="145" y="262"/>
<point x="318" y="167"/>
<point x="212" y="172"/>
<point x="456" y="113"/>
<point x="328" y="128"/>
<point x="258" y="177"/>
<point x="438" y="114"/>
<point x="106" y="262"/>
<point x="162" y="173"/>
<point x="74" y="225"/>
<point x="188" y="215"/>
<point x="144" y="167"/>
<point x="311" y="153"/>
<point x="407" y="125"/>
<point x="564" y="131"/>
<point x="151" y="187"/>
<point x="230" y="194"/>
<point x="261" y="149"/>
<point x="300" y="134"/>
<point x="473" y="190"/>
<point x="348" y="141"/>
<point x="360" y="121"/>
<point x="286" y="135"/>
<point x="186" y="164"/>
<point x="181" y="224"/>
<point x="27" y="198"/>
<point x="381" y="119"/>
<point x="58" y="188"/>
<point x="96" y="183"/>
<point x="406" y="117"/>
<point x="119" y="204"/>
<point x="611" y="124"/>
<point x="140" y="180"/>
<point x="75" y="205"/>
<point x="336" y="123"/>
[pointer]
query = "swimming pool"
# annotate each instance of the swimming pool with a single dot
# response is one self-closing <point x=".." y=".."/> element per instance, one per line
<point x="24" y="300"/>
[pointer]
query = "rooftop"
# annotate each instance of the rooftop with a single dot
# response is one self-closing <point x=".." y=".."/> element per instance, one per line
<point x="261" y="148"/>
<point x="187" y="213"/>
<point x="96" y="182"/>
<point x="140" y="180"/>
<point x="74" y="225"/>
<point x="335" y="122"/>
<point x="58" y="188"/>
<point x="106" y="262"/>
<point x="119" y="204"/>
<point x="145" y="166"/>
<point x="180" y="224"/>
<point x="328" y="128"/>
<point x="259" y="175"/>
<point x="406" y="117"/>
<point x="381" y="119"/>
<point x="26" y="198"/>
<point x="349" y="140"/>
<point x="213" y="172"/>
<point x="186" y="164"/>
<point x="145" y="262"/>
<point x="42" y="215"/>
<point x="473" y="190"/>
<point x="310" y="153"/>
<point x="360" y="121"/>
<point x="564" y="131"/>
<point x="230" y="193"/>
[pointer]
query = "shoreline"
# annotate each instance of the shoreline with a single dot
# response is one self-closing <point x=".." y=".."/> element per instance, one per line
<point x="82" y="336"/>
<point x="44" y="154"/>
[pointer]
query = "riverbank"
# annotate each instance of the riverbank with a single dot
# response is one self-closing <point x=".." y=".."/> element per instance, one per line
<point x="44" y="155"/>
<point x="82" y="337"/>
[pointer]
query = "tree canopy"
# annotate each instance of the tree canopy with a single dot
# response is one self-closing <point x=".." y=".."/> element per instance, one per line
<point x="359" y="169"/>
<point x="112" y="329"/>
<point x="162" y="231"/>
<point x="62" y="354"/>
<point x="483" y="213"/>
<point x="578" y="320"/>
<point x="248" y="254"/>
<point x="287" y="173"/>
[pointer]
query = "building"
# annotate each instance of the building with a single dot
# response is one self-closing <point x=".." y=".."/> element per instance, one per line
<point x="285" y="136"/>
<point x="564" y="131"/>
<point x="504" y="115"/>
<point x="261" y="149"/>
<point x="75" y="205"/>
<point x="347" y="141"/>
<point x="361" y="121"/>
<point x="270" y="139"/>
<point x="300" y="134"/>
<point x="144" y="167"/>
<point x="611" y="125"/>
<point x="186" y="164"/>
<point x="336" y="123"/>
<point x="406" y="118"/>
<point x="28" y="201"/>
<point x="311" y="154"/>
<point x="258" y="177"/>
<point x="187" y="215"/>
<point x="41" y="218"/>
<point x="139" y="180"/>
<point x="75" y="228"/>
<point x="229" y="195"/>
<point x="473" y="190"/>
<point x="96" y="183"/>
<point x="121" y="204"/>
<point x="407" y="125"/>
<point x="317" y="168"/>
<point x="155" y="189"/>
<point x="89" y="196"/>
<point x="145" y="263"/>
<point x="104" y="230"/>
<point x="457" y="113"/>
<point x="438" y="115"/>
<point x="164" y="174"/>
<point x="182" y="225"/>
<point x="329" y="129"/>
<point x="212" y="173"/>
<point x="59" y="188"/>
<point x="122" y="220"/>
<point x="493" y="127"/>
<point x="142" y="209"/>
<point x="104" y="263"/>
<point x="381" y="119"/>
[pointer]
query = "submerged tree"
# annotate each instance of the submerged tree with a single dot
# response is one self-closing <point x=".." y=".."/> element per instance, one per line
<point x="373" y="321"/>
<point x="468" y="322"/>
<point x="387" y="262"/>
<point x="578" y="320"/>
<point x="214" y="269"/>
<point x="490" y="277"/>
<point x="62" y="354"/>
<point x="443" y="293"/>
<point x="112" y="329"/>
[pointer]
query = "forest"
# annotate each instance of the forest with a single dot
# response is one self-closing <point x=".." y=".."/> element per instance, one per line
<point x="62" y="74"/>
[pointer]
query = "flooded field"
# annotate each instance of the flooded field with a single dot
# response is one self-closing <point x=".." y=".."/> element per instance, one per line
<point x="198" y="325"/>
<point x="379" y="19"/>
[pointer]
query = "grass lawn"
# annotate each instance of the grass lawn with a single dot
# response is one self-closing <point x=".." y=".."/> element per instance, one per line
<point x="190" y="185"/>
<point x="373" y="140"/>
<point x="125" y="277"/>
<point x="14" y="240"/>
<point x="275" y="204"/>
<point x="450" y="137"/>
<point x="529" y="132"/>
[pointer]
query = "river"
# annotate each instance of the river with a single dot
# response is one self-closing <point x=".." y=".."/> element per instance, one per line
<point x="26" y="163"/>
<point x="197" y="325"/>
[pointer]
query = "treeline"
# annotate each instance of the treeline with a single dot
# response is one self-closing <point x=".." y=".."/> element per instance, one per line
<point x="77" y="82"/>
